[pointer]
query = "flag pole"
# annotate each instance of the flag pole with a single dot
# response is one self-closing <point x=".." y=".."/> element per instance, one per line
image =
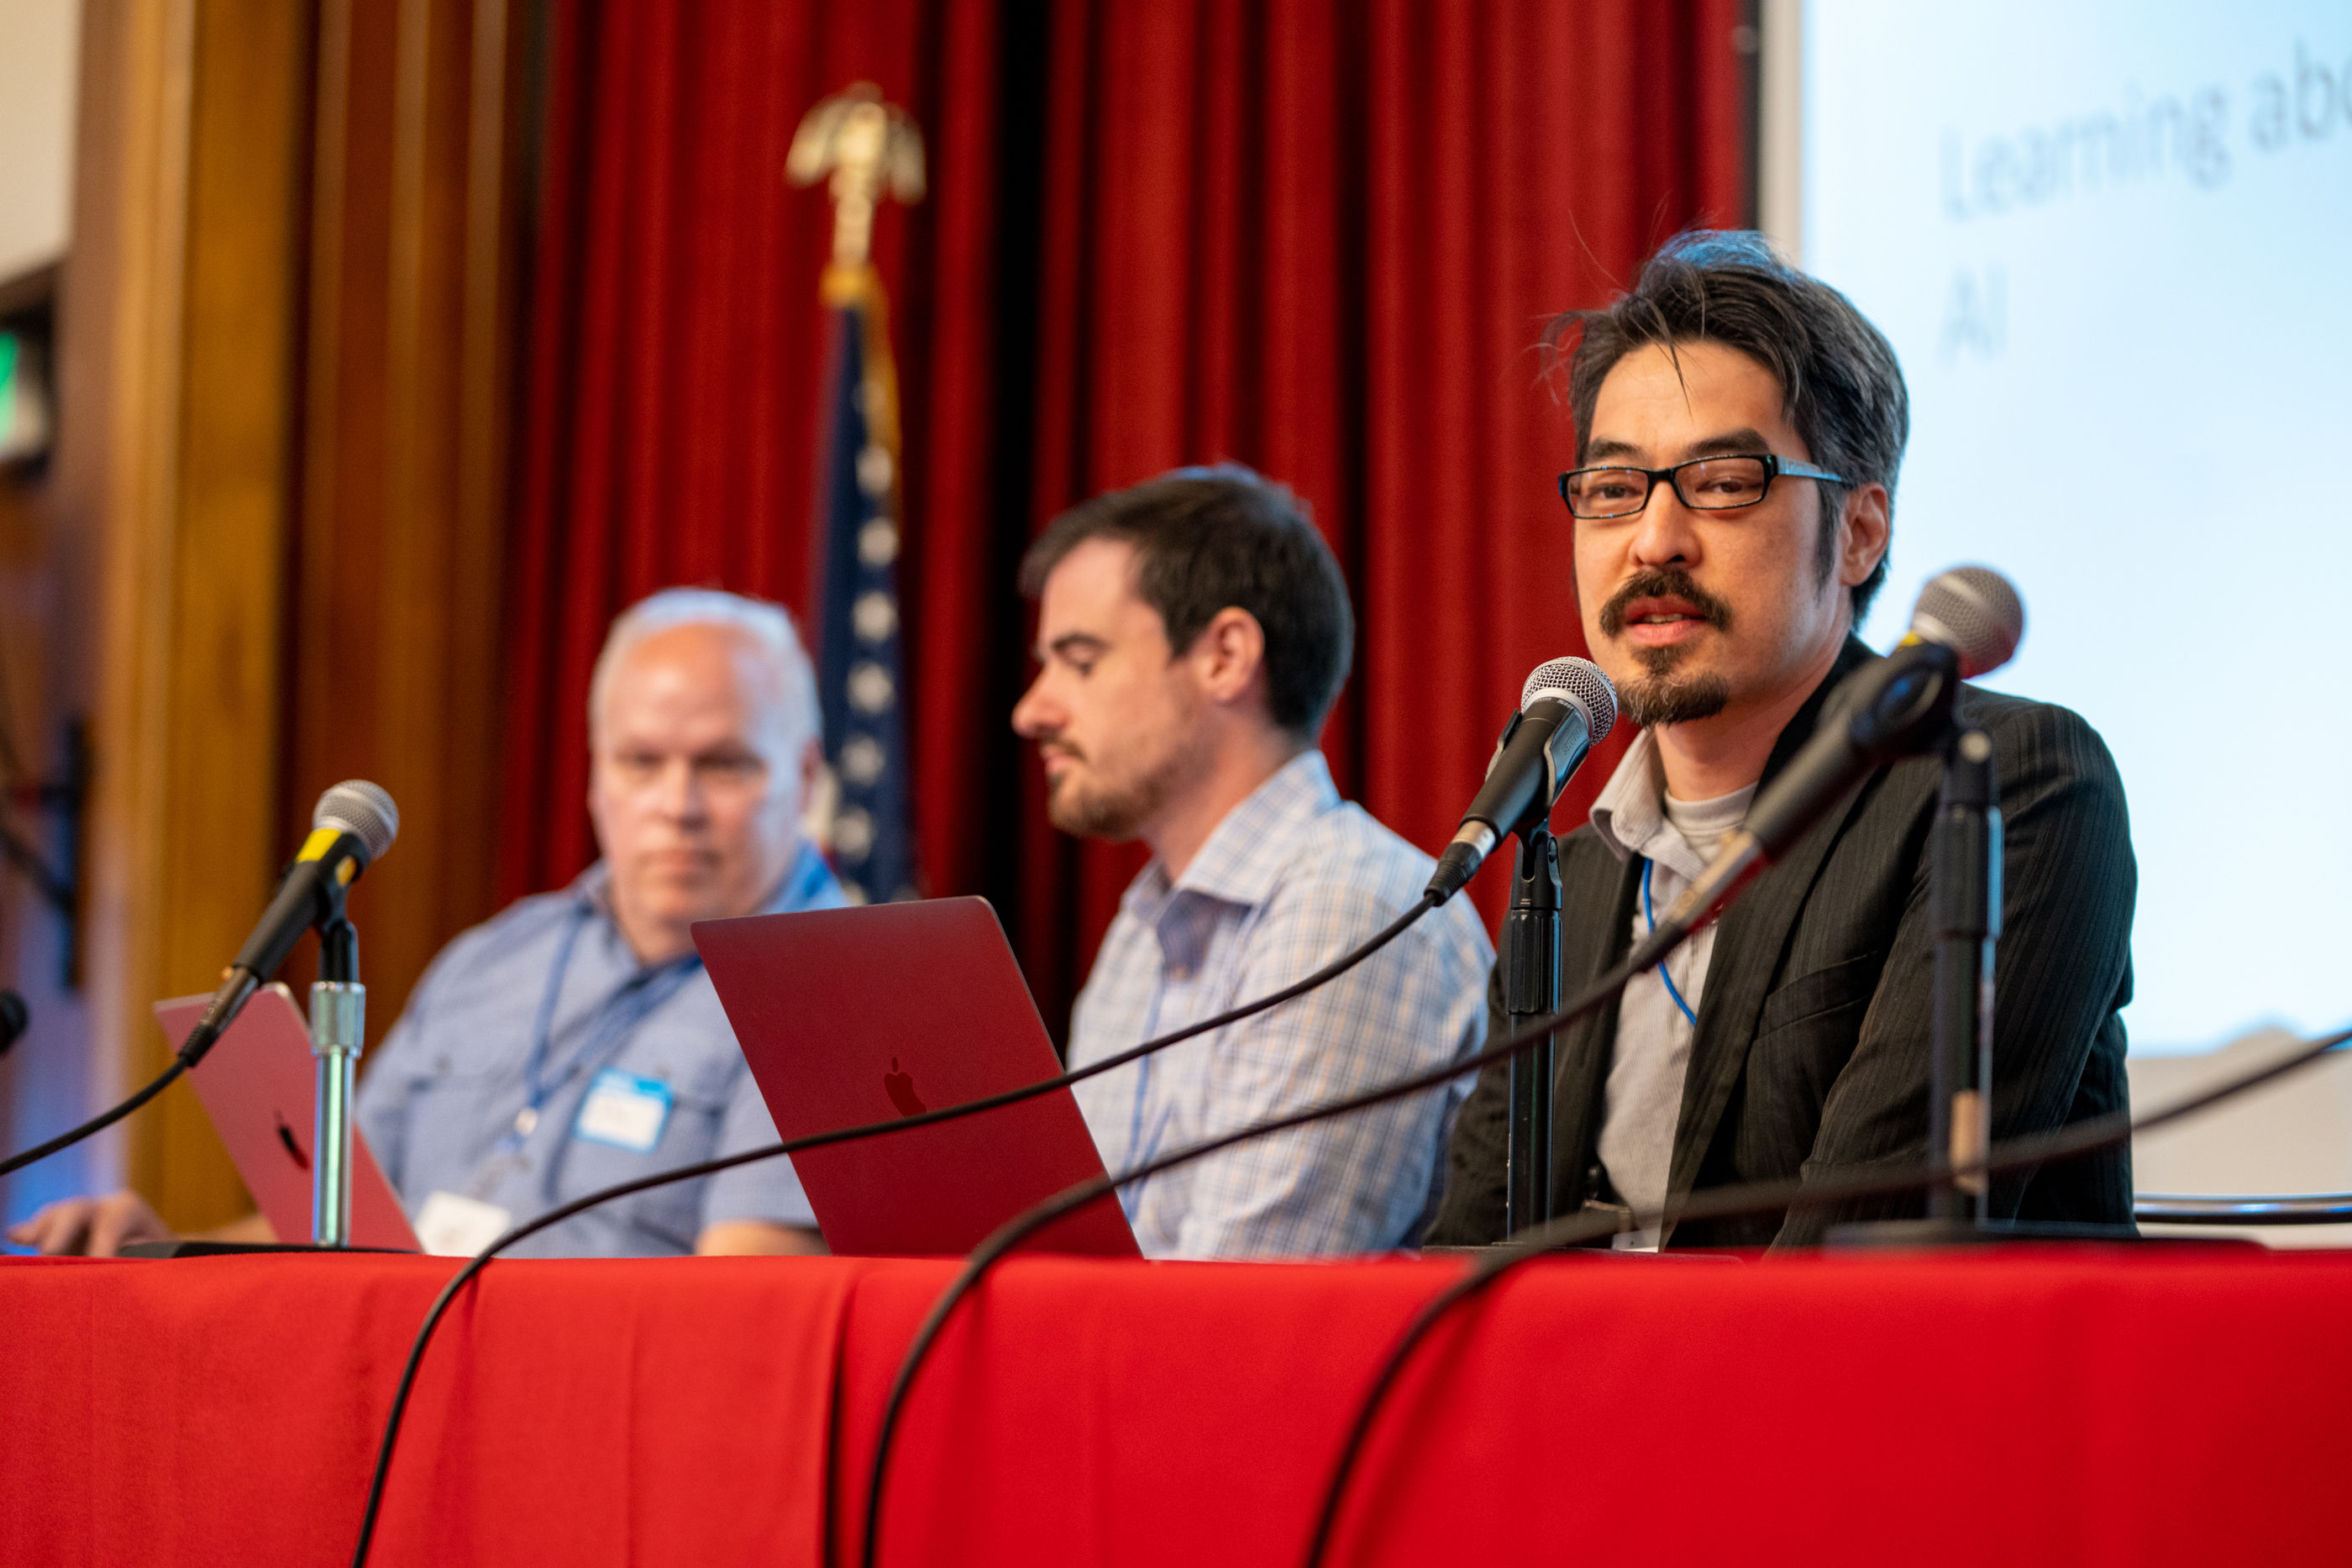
<point x="868" y="151"/>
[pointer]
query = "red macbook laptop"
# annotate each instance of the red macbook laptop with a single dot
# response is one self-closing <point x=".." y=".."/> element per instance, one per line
<point x="850" y="1015"/>
<point x="259" y="1086"/>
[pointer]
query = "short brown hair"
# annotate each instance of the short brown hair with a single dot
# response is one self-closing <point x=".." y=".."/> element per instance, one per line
<point x="1841" y="387"/>
<point x="1206" y="538"/>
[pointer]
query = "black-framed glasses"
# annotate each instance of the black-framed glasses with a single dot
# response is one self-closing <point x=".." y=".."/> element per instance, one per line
<point x="1704" y="485"/>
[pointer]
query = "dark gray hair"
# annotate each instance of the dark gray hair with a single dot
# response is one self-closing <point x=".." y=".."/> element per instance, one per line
<point x="1840" y="385"/>
<point x="1206" y="538"/>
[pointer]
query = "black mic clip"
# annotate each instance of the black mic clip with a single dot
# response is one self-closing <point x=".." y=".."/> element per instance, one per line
<point x="1910" y="711"/>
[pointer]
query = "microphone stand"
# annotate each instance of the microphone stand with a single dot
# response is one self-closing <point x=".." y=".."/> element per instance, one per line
<point x="1964" y="921"/>
<point x="1530" y="989"/>
<point x="338" y="1034"/>
<point x="1964" y="903"/>
<point x="1964" y="852"/>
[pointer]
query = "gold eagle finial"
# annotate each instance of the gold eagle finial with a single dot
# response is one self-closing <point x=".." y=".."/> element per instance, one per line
<point x="868" y="146"/>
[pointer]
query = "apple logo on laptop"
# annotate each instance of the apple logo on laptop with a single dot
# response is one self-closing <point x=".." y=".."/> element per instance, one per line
<point x="286" y="1136"/>
<point x="900" y="1087"/>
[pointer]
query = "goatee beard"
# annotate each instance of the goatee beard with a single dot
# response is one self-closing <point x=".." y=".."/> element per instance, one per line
<point x="1661" y="697"/>
<point x="1658" y="695"/>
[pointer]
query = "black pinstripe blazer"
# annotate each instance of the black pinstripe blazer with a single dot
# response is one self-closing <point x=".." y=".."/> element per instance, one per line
<point x="1811" y="1051"/>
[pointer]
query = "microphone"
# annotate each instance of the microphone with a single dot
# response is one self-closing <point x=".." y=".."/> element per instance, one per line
<point x="13" y="1019"/>
<point x="1974" y="611"/>
<point x="1968" y="620"/>
<point x="1566" y="707"/>
<point x="351" y="826"/>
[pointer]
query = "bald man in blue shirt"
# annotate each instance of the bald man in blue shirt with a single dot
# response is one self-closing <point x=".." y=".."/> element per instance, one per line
<point x="574" y="1041"/>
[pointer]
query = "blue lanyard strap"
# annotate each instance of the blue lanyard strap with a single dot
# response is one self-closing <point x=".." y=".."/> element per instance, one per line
<point x="607" y="1026"/>
<point x="1646" y="913"/>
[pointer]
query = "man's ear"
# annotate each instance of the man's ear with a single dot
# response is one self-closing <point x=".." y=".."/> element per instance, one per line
<point x="820" y="793"/>
<point x="1863" y="533"/>
<point x="1229" y="655"/>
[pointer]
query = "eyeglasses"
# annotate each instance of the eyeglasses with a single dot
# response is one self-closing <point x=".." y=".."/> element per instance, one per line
<point x="1704" y="484"/>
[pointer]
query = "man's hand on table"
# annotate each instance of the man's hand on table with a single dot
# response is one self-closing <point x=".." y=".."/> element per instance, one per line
<point x="757" y="1239"/>
<point x="103" y="1227"/>
<point x="91" y="1227"/>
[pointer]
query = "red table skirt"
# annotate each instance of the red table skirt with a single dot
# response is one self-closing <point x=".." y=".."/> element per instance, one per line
<point x="2083" y="1406"/>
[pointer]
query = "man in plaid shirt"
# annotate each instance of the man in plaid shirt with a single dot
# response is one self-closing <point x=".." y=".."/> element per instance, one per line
<point x="1194" y="631"/>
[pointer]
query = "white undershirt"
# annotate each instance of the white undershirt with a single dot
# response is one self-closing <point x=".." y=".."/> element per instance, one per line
<point x="1642" y="1101"/>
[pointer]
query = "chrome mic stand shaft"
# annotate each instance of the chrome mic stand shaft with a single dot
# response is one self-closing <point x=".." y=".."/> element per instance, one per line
<point x="338" y="1034"/>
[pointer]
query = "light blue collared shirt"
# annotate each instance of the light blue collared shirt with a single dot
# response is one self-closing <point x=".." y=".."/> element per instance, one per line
<point x="1291" y="879"/>
<point x="440" y="1101"/>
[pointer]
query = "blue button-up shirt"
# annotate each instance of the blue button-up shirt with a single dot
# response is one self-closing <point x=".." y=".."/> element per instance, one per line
<point x="440" y="1104"/>
<point x="1292" y="878"/>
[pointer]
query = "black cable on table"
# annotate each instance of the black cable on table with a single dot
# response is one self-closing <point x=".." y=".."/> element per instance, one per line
<point x="1761" y="1197"/>
<point x="99" y="1123"/>
<point x="474" y="1265"/>
<point x="1012" y="1232"/>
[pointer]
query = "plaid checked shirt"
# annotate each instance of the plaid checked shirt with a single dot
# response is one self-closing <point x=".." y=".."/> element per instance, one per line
<point x="1292" y="878"/>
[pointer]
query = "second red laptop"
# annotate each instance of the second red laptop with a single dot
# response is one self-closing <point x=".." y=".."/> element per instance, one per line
<point x="852" y="1016"/>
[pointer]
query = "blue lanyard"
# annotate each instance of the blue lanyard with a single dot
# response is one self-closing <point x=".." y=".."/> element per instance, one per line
<point x="609" y="1024"/>
<point x="1653" y="919"/>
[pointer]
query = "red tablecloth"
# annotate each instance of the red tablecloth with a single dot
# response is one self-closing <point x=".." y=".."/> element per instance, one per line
<point x="2079" y="1406"/>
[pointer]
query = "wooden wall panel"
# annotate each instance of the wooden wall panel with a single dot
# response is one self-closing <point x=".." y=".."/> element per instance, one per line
<point x="237" y="411"/>
<point x="183" y="317"/>
<point x="118" y="335"/>
<point x="394" y="666"/>
<point x="286" y="358"/>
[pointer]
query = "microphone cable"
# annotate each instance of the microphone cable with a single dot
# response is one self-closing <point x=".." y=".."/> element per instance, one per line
<point x="1013" y="1231"/>
<point x="352" y="825"/>
<point x="199" y="1040"/>
<point x="474" y="1265"/>
<point x="1762" y="1197"/>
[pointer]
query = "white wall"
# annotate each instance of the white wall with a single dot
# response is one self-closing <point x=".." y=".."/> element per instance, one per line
<point x="2107" y="240"/>
<point x="2144" y="323"/>
<point x="39" y="40"/>
<point x="2293" y="1135"/>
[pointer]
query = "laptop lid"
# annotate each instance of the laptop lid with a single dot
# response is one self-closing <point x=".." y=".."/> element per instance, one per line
<point x="851" y="1016"/>
<point x="259" y="1086"/>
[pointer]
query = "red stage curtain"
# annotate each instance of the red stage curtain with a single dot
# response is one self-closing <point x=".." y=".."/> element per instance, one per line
<point x="1317" y="238"/>
<point x="674" y="369"/>
<point x="1321" y="238"/>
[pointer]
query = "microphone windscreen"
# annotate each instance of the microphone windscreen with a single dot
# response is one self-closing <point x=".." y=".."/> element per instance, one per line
<point x="363" y="809"/>
<point x="1974" y="611"/>
<point x="1580" y="684"/>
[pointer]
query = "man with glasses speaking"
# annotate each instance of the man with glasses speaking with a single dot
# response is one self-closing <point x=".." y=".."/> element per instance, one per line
<point x="1739" y="427"/>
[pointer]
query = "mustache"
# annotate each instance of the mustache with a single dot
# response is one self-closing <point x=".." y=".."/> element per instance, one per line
<point x="1663" y="582"/>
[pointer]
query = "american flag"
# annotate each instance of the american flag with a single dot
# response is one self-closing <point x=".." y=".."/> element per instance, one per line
<point x="861" y="678"/>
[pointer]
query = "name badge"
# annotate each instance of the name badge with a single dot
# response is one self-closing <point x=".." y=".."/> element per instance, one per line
<point x="451" y="1226"/>
<point x="623" y="1111"/>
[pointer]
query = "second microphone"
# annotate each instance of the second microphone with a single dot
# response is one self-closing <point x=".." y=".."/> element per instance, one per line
<point x="1566" y="708"/>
